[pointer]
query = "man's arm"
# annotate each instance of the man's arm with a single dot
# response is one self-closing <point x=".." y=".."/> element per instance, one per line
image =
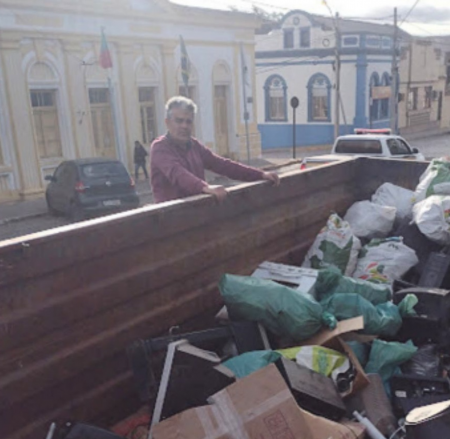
<point x="174" y="171"/>
<point x="234" y="170"/>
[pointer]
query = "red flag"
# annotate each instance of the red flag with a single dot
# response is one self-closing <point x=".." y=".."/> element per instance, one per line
<point x="105" y="55"/>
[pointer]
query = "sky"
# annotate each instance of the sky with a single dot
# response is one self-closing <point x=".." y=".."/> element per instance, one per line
<point x="428" y="17"/>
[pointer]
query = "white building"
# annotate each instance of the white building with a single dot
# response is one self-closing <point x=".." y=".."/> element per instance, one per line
<point x="297" y="58"/>
<point x="55" y="103"/>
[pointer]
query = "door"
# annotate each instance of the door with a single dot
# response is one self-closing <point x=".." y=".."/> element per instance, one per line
<point x="221" y="119"/>
<point x="102" y="122"/>
<point x="399" y="149"/>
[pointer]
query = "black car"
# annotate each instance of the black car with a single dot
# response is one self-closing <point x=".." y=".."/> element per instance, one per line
<point x="79" y="188"/>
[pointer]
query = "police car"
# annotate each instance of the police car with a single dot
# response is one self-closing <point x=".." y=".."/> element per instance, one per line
<point x="376" y="143"/>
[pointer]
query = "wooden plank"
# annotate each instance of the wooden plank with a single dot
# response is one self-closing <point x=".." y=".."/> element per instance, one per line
<point x="200" y="248"/>
<point x="44" y="252"/>
<point x="373" y="172"/>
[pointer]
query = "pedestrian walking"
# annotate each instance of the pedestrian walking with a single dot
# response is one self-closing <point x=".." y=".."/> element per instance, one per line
<point x="140" y="159"/>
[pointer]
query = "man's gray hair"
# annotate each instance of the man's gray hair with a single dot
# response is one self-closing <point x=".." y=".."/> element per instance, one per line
<point x="180" y="102"/>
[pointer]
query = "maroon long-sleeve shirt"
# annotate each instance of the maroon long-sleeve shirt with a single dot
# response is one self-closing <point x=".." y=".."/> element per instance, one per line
<point x="178" y="172"/>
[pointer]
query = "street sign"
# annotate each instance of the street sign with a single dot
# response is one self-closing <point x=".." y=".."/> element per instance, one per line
<point x="294" y="102"/>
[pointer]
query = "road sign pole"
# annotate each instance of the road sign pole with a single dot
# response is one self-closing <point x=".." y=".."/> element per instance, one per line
<point x="294" y="104"/>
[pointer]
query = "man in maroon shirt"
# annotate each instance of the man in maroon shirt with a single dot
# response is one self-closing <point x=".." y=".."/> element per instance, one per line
<point x="178" y="161"/>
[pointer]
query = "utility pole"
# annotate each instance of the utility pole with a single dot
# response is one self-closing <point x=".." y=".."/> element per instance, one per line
<point x="394" y="75"/>
<point x="337" y="66"/>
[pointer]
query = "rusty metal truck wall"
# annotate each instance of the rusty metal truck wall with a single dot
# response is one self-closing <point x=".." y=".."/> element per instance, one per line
<point x="72" y="299"/>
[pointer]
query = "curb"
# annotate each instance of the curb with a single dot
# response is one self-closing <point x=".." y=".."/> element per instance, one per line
<point x="22" y="218"/>
<point x="17" y="219"/>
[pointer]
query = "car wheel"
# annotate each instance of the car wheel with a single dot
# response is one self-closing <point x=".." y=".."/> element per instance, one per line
<point x="76" y="212"/>
<point x="50" y="208"/>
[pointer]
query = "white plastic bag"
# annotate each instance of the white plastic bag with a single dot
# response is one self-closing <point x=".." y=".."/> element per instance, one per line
<point x="432" y="217"/>
<point x="336" y="246"/>
<point x="384" y="260"/>
<point x="434" y="181"/>
<point x="370" y="220"/>
<point x="402" y="199"/>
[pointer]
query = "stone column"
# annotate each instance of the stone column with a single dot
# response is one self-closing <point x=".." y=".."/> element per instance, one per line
<point x="19" y="107"/>
<point x="169" y="69"/>
<point x="78" y="100"/>
<point x="130" y="100"/>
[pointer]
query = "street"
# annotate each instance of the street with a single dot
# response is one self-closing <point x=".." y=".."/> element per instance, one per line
<point x="37" y="218"/>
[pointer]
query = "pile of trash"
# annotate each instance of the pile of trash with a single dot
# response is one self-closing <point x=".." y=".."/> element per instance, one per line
<point x="354" y="343"/>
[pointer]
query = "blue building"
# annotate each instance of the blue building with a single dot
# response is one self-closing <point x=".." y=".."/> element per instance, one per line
<point x="297" y="58"/>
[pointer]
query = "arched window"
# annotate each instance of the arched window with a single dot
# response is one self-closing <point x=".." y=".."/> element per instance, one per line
<point x="275" y="99"/>
<point x="319" y="98"/>
<point x="384" y="103"/>
<point x="374" y="103"/>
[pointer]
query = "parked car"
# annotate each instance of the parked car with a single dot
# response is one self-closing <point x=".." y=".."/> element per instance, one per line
<point x="79" y="188"/>
<point x="378" y="143"/>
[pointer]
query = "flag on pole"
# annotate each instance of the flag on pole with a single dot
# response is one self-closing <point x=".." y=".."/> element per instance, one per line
<point x="105" y="55"/>
<point x="185" y="64"/>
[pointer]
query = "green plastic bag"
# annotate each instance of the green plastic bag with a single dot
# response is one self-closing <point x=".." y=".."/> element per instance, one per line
<point x="385" y="357"/>
<point x="246" y="364"/>
<point x="282" y="310"/>
<point x="361" y="350"/>
<point x="330" y="282"/>
<point x="406" y="306"/>
<point x="383" y="320"/>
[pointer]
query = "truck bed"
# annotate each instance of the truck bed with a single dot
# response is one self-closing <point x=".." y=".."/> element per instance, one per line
<point x="73" y="298"/>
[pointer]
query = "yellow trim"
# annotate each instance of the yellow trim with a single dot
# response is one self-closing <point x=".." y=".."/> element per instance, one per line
<point x="69" y="85"/>
<point x="38" y="20"/>
<point x="144" y="28"/>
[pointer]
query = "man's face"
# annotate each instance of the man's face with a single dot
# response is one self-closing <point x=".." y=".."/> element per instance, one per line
<point x="180" y="124"/>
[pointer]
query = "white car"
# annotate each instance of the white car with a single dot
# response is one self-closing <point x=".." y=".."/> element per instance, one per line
<point x="376" y="145"/>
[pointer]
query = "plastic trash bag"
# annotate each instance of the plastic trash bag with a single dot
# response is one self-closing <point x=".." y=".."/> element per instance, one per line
<point x="385" y="357"/>
<point x="330" y="282"/>
<point x="425" y="362"/>
<point x="361" y="351"/>
<point x="249" y="362"/>
<point x="282" y="310"/>
<point x="370" y="220"/>
<point x="335" y="246"/>
<point x="384" y="319"/>
<point x="402" y="199"/>
<point x="432" y="217"/>
<point x="384" y="260"/>
<point x="434" y="181"/>
<point x="320" y="359"/>
<point x="406" y="306"/>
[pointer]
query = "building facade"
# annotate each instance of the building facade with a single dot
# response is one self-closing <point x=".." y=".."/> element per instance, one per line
<point x="424" y="87"/>
<point x="56" y="102"/>
<point x="298" y="58"/>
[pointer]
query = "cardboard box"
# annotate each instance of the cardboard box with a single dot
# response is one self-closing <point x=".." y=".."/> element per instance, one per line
<point x="259" y="406"/>
<point x="333" y="340"/>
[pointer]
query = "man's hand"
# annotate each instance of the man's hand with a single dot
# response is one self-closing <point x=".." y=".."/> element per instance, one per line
<point x="272" y="176"/>
<point x="218" y="191"/>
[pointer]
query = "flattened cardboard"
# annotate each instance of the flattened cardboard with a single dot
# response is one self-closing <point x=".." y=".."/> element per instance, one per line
<point x="259" y="406"/>
<point x="333" y="340"/>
